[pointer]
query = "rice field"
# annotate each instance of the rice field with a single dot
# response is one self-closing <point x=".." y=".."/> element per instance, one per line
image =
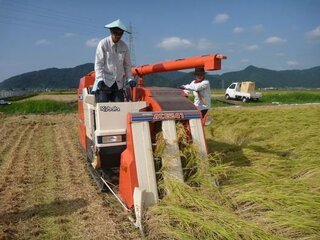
<point x="45" y="189"/>
<point x="260" y="180"/>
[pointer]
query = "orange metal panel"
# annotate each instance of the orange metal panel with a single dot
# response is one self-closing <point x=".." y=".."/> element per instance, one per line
<point x="208" y="62"/>
<point x="85" y="81"/>
<point x="128" y="179"/>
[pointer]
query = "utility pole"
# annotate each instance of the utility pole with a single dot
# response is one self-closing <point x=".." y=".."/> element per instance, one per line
<point x="131" y="46"/>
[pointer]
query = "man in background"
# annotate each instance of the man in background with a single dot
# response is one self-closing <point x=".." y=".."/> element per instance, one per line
<point x="201" y="91"/>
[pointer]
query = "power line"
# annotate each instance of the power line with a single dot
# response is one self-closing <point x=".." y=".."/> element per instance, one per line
<point x="31" y="24"/>
<point x="21" y="14"/>
<point x="35" y="9"/>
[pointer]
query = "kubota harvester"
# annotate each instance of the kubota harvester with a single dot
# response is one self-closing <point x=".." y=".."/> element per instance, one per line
<point x="119" y="137"/>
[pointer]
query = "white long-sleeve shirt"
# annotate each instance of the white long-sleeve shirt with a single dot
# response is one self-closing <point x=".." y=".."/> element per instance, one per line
<point x="112" y="63"/>
<point x="202" y="94"/>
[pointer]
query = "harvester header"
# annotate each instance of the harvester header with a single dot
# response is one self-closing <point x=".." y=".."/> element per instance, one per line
<point x="208" y="62"/>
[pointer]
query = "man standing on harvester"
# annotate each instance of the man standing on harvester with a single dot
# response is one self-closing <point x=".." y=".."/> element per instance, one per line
<point x="112" y="65"/>
<point x="201" y="91"/>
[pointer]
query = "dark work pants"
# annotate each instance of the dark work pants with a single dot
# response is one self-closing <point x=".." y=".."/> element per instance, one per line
<point x="203" y="112"/>
<point x="109" y="94"/>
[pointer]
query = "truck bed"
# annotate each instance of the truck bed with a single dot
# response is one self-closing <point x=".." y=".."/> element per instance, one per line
<point x="256" y="95"/>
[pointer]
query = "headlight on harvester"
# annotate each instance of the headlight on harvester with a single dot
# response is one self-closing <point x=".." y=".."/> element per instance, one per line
<point x="110" y="139"/>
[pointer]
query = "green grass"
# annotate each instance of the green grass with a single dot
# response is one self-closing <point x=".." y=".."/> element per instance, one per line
<point x="289" y="97"/>
<point x="38" y="107"/>
<point x="261" y="180"/>
<point x="276" y="173"/>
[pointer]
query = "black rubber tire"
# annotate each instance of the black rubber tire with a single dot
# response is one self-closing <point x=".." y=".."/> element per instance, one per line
<point x="244" y="99"/>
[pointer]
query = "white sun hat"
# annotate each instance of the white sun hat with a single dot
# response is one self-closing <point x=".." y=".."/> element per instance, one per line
<point x="117" y="24"/>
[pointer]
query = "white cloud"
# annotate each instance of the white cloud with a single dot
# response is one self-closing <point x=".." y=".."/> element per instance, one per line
<point x="93" y="42"/>
<point x="275" y="40"/>
<point x="314" y="34"/>
<point x="43" y="42"/>
<point x="204" y="44"/>
<point x="252" y="47"/>
<point x="244" y="60"/>
<point x="172" y="43"/>
<point x="221" y="18"/>
<point x="238" y="30"/>
<point x="292" y="63"/>
<point x="69" y="35"/>
<point x="280" y="54"/>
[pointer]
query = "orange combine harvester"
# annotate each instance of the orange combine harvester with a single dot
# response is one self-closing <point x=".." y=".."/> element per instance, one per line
<point x="119" y="137"/>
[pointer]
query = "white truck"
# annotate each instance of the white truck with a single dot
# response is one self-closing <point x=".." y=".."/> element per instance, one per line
<point x="4" y="102"/>
<point x="243" y="91"/>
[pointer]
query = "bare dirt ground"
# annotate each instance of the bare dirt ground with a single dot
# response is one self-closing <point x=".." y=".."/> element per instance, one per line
<point x="45" y="189"/>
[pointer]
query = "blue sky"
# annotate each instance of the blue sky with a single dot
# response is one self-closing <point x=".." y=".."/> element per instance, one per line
<point x="274" y="34"/>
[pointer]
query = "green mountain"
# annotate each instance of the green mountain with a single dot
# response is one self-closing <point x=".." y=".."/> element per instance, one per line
<point x="51" y="78"/>
<point x="66" y="78"/>
<point x="308" y="78"/>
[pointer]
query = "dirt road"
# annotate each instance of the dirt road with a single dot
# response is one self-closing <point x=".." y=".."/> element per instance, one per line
<point x="45" y="190"/>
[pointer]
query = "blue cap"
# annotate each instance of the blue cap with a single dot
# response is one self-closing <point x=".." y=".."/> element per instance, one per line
<point x="117" y="24"/>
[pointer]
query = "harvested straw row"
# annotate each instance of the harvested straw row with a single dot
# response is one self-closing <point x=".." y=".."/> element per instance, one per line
<point x="195" y="209"/>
